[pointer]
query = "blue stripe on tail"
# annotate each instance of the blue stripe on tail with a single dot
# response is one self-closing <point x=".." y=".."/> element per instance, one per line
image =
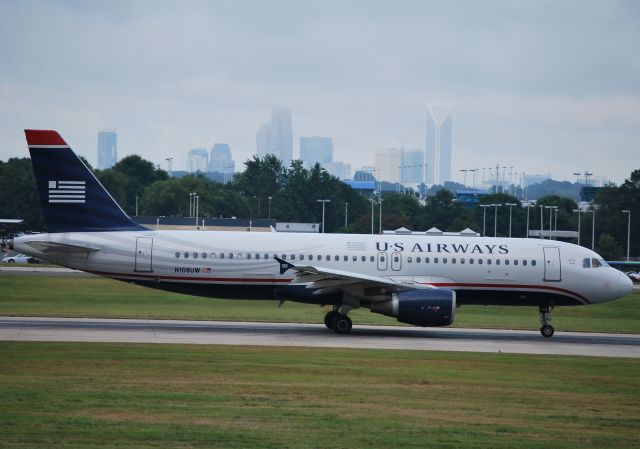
<point x="73" y="200"/>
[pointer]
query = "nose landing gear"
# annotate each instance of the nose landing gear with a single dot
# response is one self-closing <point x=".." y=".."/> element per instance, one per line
<point x="546" y="330"/>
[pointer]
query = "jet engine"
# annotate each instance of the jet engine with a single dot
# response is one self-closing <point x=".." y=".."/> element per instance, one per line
<point x="427" y="308"/>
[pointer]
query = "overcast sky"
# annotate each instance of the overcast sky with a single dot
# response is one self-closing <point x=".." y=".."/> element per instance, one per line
<point x="546" y="87"/>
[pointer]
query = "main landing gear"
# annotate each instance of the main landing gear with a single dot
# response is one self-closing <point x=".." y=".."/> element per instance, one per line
<point x="546" y="330"/>
<point x="338" y="322"/>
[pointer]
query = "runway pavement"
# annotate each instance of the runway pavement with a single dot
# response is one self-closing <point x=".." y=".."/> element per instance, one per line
<point x="316" y="335"/>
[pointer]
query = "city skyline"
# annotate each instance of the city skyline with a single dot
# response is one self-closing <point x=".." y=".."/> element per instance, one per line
<point x="549" y="86"/>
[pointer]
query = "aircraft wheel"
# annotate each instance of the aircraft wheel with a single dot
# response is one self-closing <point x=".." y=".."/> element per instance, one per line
<point x="547" y="331"/>
<point x="342" y="324"/>
<point x="329" y="318"/>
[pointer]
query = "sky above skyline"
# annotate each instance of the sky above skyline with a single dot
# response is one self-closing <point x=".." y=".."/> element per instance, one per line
<point x="545" y="87"/>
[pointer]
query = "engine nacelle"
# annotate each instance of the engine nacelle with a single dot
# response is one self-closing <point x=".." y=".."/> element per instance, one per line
<point x="427" y="308"/>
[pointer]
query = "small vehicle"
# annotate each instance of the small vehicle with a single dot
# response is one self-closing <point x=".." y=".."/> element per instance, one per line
<point x="19" y="258"/>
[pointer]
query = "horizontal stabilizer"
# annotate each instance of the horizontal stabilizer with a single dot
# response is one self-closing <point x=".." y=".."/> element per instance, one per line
<point x="62" y="248"/>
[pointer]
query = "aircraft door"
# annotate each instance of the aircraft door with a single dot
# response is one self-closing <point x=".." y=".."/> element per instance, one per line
<point x="382" y="261"/>
<point x="144" y="252"/>
<point x="396" y="261"/>
<point x="552" y="268"/>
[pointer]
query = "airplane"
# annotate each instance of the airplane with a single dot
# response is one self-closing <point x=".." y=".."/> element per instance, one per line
<point x="417" y="279"/>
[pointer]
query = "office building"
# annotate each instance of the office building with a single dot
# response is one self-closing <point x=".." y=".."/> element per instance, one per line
<point x="220" y="161"/>
<point x="107" y="149"/>
<point x="316" y="150"/>
<point x="412" y="167"/>
<point x="276" y="137"/>
<point x="388" y="162"/>
<point x="338" y="169"/>
<point x="437" y="151"/>
<point x="197" y="160"/>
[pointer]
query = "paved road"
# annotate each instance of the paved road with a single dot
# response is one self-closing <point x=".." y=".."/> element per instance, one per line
<point x="7" y="269"/>
<point x="315" y="335"/>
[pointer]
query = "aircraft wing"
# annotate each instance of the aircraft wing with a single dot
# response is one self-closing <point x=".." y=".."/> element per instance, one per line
<point x="327" y="280"/>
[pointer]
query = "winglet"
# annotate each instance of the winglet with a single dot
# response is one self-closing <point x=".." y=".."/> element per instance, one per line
<point x="284" y="265"/>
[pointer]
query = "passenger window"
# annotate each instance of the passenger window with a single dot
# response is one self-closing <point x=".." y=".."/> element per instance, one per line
<point x="381" y="258"/>
<point x="396" y="258"/>
<point x="293" y="257"/>
<point x="319" y="257"/>
<point x="284" y="257"/>
<point x="310" y="257"/>
<point x="346" y="258"/>
<point x="213" y="255"/>
<point x="426" y="260"/>
<point x="498" y="262"/>
<point x="453" y="260"/>
<point x="435" y="260"/>
<point x="354" y="258"/>
<point x="372" y="259"/>
<point x="506" y="262"/>
<point x="177" y="254"/>
<point x="533" y="263"/>
<point x="409" y="259"/>
<point x="480" y="262"/>
<point x="221" y="255"/>
<point x="328" y="257"/>
<point x="524" y="263"/>
<point x="471" y="261"/>
<point x="336" y="258"/>
<point x="239" y="256"/>
<point x="257" y="256"/>
<point x="204" y="255"/>
<point x="418" y="259"/>
<point x="363" y="258"/>
<point x="230" y="255"/>
<point x="186" y="255"/>
<point x="515" y="262"/>
<point x="462" y="260"/>
<point x="595" y="263"/>
<point x="488" y="261"/>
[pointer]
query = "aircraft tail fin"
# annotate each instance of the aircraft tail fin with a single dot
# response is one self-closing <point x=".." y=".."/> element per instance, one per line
<point x="72" y="199"/>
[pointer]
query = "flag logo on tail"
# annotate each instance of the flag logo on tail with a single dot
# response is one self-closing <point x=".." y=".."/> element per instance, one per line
<point x="66" y="192"/>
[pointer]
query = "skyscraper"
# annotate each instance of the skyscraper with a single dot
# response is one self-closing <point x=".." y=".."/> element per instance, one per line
<point x="437" y="150"/>
<point x="316" y="149"/>
<point x="107" y="149"/>
<point x="221" y="161"/>
<point x="275" y="136"/>
<point x="197" y="160"/>
<point x="412" y="166"/>
<point x="388" y="163"/>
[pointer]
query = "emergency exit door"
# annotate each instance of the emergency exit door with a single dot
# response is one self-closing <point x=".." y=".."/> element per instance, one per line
<point x="552" y="268"/>
<point x="144" y="253"/>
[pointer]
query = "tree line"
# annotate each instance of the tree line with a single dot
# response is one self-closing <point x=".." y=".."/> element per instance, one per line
<point x="266" y="188"/>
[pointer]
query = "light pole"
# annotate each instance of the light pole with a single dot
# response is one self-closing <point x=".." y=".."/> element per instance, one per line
<point x="323" y="203"/>
<point x="380" y="216"/>
<point x="372" y="203"/>
<point x="628" y="212"/>
<point x="169" y="161"/>
<point x="191" y="205"/>
<point x="465" y="177"/>
<point x="555" y="223"/>
<point x="577" y="175"/>
<point x="551" y="208"/>
<point x="528" y="206"/>
<point x="158" y="221"/>
<point x="137" y="205"/>
<point x="579" y="215"/>
<point x="269" y="208"/>
<point x="541" y="221"/>
<point x="196" y="203"/>
<point x="587" y="175"/>
<point x="593" y="226"/>
<point x="346" y="211"/>
<point x="475" y="171"/>
<point x="495" y="219"/>
<point x="484" y="218"/>
<point x="510" y="210"/>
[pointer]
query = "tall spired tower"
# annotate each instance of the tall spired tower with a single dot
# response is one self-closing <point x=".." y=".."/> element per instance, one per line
<point x="437" y="149"/>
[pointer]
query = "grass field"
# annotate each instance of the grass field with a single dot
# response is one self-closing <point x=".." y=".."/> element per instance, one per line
<point x="104" y="298"/>
<point x="111" y="395"/>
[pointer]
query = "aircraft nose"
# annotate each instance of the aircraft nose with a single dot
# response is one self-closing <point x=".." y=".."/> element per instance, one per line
<point x="624" y="284"/>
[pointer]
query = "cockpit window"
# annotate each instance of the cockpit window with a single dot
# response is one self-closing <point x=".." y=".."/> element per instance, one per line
<point x="596" y="263"/>
<point x="586" y="263"/>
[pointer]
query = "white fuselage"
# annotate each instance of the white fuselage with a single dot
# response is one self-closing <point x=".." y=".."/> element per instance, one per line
<point x="481" y="270"/>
